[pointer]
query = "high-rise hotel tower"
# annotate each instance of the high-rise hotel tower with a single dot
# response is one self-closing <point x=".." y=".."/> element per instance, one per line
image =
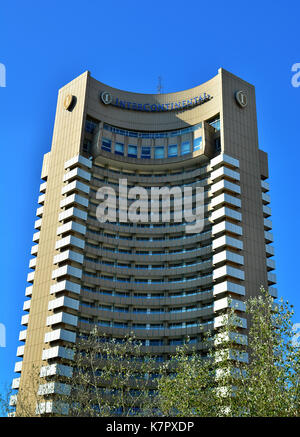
<point x="152" y="278"/>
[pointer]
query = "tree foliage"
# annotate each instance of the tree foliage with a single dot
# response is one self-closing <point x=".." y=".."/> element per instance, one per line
<point x="271" y="386"/>
<point x="110" y="378"/>
<point x="114" y="377"/>
<point x="229" y="384"/>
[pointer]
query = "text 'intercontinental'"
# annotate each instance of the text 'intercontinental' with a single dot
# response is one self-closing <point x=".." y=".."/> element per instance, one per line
<point x="108" y="99"/>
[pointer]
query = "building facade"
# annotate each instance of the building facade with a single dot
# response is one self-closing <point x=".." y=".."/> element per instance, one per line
<point x="148" y="277"/>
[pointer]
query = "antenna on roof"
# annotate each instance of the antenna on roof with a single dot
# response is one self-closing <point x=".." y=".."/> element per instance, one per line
<point x="159" y="85"/>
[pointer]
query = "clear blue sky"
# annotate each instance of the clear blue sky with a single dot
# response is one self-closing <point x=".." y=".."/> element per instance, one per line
<point x="128" y="45"/>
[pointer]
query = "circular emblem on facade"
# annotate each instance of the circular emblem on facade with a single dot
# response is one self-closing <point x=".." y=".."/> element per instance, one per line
<point x="106" y="97"/>
<point x="68" y="101"/>
<point x="241" y="98"/>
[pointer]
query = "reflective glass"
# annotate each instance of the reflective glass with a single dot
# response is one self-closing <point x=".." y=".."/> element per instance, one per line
<point x="172" y="150"/>
<point x="185" y="148"/>
<point x="132" y="151"/>
<point x="159" y="152"/>
<point x="119" y="149"/>
<point x="198" y="143"/>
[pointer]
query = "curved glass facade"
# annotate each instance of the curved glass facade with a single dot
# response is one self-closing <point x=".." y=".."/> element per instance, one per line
<point x="131" y="270"/>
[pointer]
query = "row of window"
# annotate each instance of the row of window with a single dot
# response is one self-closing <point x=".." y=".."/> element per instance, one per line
<point x="111" y="324"/>
<point x="148" y="281"/>
<point x="117" y="309"/>
<point x="203" y="182"/>
<point x="147" y="266"/>
<point x="124" y="172"/>
<point x="91" y="125"/>
<point x="144" y="342"/>
<point x="145" y="252"/>
<point x="127" y="294"/>
<point x="159" y="151"/>
<point x="161" y="238"/>
<point x="172" y="219"/>
<point x="133" y="134"/>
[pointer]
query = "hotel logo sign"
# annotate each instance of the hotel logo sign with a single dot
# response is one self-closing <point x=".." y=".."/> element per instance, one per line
<point x="241" y="98"/>
<point x="108" y="99"/>
<point x="68" y="102"/>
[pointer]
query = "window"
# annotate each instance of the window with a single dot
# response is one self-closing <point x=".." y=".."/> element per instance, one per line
<point x="172" y="150"/>
<point x="159" y="152"/>
<point x="120" y="325"/>
<point x="146" y="153"/>
<point x="106" y="144"/>
<point x="87" y="145"/>
<point x="103" y="323"/>
<point x="90" y="126"/>
<point x="158" y="358"/>
<point x="185" y="148"/>
<point x="167" y="134"/>
<point x="191" y="324"/>
<point x="157" y="326"/>
<point x="198" y="143"/>
<point x="218" y="144"/>
<point x="156" y="343"/>
<point x="176" y="342"/>
<point x="119" y="149"/>
<point x="215" y="124"/>
<point x="121" y="309"/>
<point x="132" y="151"/>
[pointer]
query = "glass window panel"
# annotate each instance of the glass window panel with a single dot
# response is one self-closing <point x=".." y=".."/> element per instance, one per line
<point x="119" y="148"/>
<point x="198" y="143"/>
<point x="185" y="148"/>
<point x="106" y="144"/>
<point x="178" y="132"/>
<point x="90" y="126"/>
<point x="132" y="151"/>
<point x="215" y="124"/>
<point x="159" y="152"/>
<point x="172" y="150"/>
<point x="146" y="153"/>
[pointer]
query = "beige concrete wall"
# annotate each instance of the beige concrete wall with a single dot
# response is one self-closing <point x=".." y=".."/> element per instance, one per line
<point x="67" y="138"/>
<point x="240" y="139"/>
<point x="168" y="120"/>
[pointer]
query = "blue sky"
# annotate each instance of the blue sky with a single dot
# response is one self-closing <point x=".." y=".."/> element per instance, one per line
<point x="128" y="45"/>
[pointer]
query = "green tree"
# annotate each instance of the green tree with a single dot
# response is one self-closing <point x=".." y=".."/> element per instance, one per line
<point x="110" y="378"/>
<point x="114" y="377"/>
<point x="186" y="387"/>
<point x="26" y="397"/>
<point x="229" y="383"/>
<point x="271" y="385"/>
